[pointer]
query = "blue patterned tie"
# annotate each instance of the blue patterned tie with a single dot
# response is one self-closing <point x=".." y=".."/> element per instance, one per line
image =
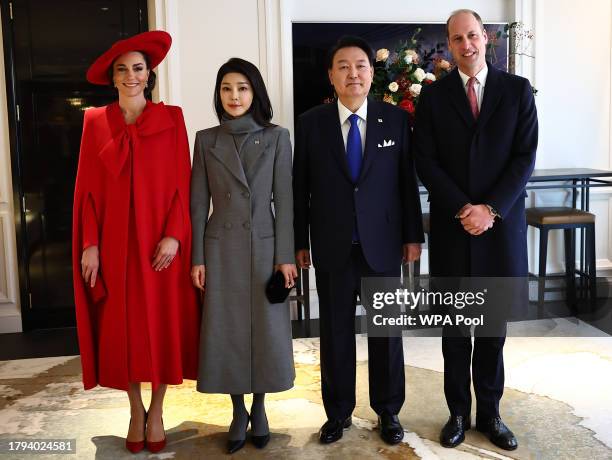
<point x="353" y="148"/>
<point x="353" y="156"/>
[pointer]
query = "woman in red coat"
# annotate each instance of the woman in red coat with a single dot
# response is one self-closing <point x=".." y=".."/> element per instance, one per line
<point x="137" y="313"/>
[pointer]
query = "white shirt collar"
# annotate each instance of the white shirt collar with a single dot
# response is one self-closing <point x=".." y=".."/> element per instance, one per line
<point x="481" y="76"/>
<point x="362" y="112"/>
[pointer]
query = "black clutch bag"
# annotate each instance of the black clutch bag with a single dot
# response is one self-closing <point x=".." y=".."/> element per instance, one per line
<point x="276" y="290"/>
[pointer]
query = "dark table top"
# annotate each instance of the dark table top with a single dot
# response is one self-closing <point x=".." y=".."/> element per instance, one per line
<point x="567" y="174"/>
<point x="559" y="174"/>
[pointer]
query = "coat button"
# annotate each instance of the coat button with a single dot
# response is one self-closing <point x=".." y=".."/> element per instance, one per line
<point x="356" y="189"/>
<point x="228" y="195"/>
<point x="228" y="225"/>
<point x="245" y="194"/>
<point x="247" y="225"/>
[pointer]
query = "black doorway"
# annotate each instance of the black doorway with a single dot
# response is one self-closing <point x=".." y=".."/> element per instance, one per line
<point x="48" y="46"/>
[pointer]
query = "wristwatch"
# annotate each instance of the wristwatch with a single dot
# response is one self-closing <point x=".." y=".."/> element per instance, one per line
<point x="493" y="211"/>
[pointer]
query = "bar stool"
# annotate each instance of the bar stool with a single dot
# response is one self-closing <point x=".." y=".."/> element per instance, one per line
<point x="568" y="219"/>
<point x="426" y="227"/>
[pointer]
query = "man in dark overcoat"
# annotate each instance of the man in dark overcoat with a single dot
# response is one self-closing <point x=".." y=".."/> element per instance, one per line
<point x="475" y="139"/>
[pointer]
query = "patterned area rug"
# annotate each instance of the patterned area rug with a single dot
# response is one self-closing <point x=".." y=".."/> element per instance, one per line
<point x="44" y="399"/>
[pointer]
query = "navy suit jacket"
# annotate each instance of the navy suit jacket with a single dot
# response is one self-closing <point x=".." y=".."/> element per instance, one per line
<point x="485" y="161"/>
<point x="384" y="201"/>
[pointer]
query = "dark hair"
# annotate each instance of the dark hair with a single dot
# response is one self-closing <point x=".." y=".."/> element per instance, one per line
<point x="261" y="108"/>
<point x="349" y="41"/>
<point x="464" y="11"/>
<point x="150" y="82"/>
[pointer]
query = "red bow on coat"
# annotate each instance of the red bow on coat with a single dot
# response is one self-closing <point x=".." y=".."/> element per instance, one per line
<point x="115" y="152"/>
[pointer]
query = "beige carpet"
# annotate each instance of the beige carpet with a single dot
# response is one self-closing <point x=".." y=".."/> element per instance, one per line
<point x="44" y="399"/>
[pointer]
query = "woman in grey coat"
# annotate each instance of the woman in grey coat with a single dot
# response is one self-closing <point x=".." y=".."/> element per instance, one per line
<point x="244" y="165"/>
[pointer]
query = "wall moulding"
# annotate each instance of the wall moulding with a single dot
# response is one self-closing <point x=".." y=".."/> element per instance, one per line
<point x="163" y="15"/>
<point x="7" y="262"/>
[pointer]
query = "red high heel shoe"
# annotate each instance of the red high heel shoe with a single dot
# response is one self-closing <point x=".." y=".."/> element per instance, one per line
<point x="156" y="446"/>
<point x="136" y="446"/>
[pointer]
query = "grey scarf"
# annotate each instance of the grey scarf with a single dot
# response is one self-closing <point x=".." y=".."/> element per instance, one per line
<point x="240" y="129"/>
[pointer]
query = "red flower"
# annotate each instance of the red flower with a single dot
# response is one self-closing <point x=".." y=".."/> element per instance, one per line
<point x="403" y="83"/>
<point x="407" y="105"/>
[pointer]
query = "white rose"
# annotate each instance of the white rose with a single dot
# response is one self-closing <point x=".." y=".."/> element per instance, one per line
<point x="393" y="87"/>
<point x="408" y="59"/>
<point x="382" y="54"/>
<point x="430" y="76"/>
<point x="414" y="57"/>
<point x="419" y="74"/>
<point x="415" y="89"/>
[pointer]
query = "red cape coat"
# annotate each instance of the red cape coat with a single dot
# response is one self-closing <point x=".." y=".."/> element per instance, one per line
<point x="132" y="189"/>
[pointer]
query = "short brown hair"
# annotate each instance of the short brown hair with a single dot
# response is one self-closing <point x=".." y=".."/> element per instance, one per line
<point x="462" y="11"/>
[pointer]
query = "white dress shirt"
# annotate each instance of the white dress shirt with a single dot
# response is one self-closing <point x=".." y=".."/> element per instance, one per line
<point x="345" y="124"/>
<point x="481" y="79"/>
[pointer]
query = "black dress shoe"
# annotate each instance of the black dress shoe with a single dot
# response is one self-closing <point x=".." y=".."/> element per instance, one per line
<point x="332" y="430"/>
<point x="453" y="433"/>
<point x="391" y="430"/>
<point x="497" y="432"/>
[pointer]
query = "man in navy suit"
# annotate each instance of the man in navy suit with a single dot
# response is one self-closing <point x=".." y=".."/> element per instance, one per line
<point x="355" y="190"/>
<point x="476" y="136"/>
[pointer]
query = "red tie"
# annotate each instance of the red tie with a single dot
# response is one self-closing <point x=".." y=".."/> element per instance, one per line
<point x="471" y="94"/>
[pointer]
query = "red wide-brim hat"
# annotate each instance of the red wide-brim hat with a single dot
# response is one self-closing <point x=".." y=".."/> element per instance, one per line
<point x="155" y="44"/>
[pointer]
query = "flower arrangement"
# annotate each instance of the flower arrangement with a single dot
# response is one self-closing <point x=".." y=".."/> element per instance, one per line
<point x="400" y="75"/>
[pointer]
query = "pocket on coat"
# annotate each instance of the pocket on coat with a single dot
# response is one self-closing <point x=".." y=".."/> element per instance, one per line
<point x="265" y="229"/>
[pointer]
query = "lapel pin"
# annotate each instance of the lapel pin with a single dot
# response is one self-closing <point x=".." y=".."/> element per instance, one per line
<point x="380" y="120"/>
<point x="257" y="141"/>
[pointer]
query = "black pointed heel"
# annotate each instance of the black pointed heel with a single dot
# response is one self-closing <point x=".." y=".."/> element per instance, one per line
<point x="236" y="445"/>
<point x="260" y="441"/>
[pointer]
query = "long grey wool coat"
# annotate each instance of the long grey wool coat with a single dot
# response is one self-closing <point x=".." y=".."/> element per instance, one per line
<point x="245" y="344"/>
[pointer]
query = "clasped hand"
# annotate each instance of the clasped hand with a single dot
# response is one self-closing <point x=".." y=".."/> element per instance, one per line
<point x="476" y="219"/>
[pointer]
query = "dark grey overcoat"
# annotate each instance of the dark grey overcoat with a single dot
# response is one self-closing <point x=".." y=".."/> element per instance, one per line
<point x="245" y="344"/>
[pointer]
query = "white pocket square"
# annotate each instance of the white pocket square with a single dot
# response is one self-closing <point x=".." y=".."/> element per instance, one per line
<point x="388" y="143"/>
